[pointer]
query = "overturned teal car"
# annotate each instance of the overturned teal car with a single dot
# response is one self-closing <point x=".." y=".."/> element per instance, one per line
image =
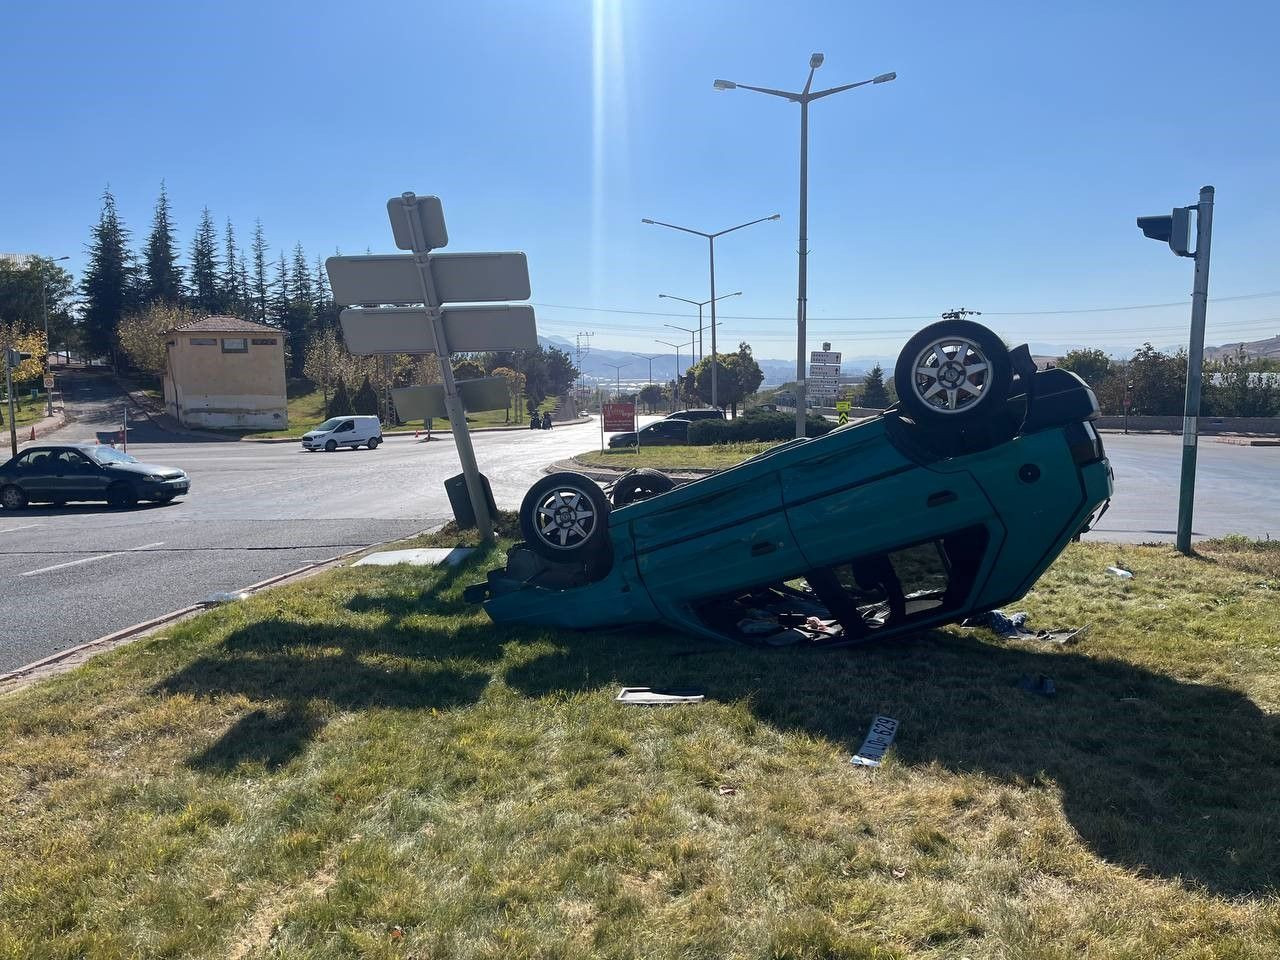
<point x="950" y="504"/>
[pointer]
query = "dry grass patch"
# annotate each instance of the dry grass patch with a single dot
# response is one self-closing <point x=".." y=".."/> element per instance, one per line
<point x="361" y="765"/>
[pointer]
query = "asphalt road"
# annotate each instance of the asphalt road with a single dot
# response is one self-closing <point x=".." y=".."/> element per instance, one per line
<point x="256" y="510"/>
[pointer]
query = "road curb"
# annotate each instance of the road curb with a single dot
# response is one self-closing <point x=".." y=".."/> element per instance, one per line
<point x="608" y="474"/>
<point x="442" y="431"/>
<point x="57" y="662"/>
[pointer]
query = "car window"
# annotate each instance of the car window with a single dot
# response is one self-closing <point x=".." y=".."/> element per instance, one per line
<point x="330" y="424"/>
<point x="105" y="455"/>
<point x="23" y="460"/>
<point x="40" y="461"/>
<point x="347" y="427"/>
<point x="69" y="461"/>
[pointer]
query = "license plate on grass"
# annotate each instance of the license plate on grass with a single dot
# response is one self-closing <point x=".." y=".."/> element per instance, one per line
<point x="879" y="739"/>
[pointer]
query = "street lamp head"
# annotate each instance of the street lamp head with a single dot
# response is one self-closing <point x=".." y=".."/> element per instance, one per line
<point x="725" y="85"/>
<point x="776" y="216"/>
<point x="646" y="220"/>
<point x="885" y="78"/>
<point x="815" y="61"/>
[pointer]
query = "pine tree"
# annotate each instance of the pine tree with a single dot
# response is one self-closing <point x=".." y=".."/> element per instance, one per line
<point x="366" y="399"/>
<point x="299" y="315"/>
<point x="278" y="297"/>
<point x="246" y="303"/>
<point x="108" y="280"/>
<point x="162" y="281"/>
<point x="325" y="310"/>
<point x="874" y="395"/>
<point x="205" y="283"/>
<point x="340" y="404"/>
<point x="231" y="291"/>
<point x="259" y="292"/>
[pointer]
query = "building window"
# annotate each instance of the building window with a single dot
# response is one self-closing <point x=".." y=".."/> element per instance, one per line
<point x="203" y="341"/>
<point x="264" y="341"/>
<point x="235" y="345"/>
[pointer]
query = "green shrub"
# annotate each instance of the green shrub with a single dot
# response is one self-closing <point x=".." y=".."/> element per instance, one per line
<point x="757" y="426"/>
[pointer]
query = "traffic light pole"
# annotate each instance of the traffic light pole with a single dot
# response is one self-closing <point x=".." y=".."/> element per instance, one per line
<point x="1195" y="363"/>
<point x="8" y="389"/>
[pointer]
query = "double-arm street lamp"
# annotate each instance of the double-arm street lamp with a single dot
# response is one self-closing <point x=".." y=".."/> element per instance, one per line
<point x="675" y="385"/>
<point x="804" y="98"/>
<point x="711" y="246"/>
<point x="44" y="308"/>
<point x="699" y="304"/>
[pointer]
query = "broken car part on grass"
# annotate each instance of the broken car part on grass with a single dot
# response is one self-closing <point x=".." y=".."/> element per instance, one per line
<point x="948" y="505"/>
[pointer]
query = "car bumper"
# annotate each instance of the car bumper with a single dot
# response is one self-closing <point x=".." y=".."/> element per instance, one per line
<point x="167" y="487"/>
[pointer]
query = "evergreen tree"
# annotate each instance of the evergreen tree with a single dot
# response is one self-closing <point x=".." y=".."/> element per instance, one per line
<point x="246" y="303"/>
<point x="874" y="395"/>
<point x="340" y="403"/>
<point x="162" y="282"/>
<point x="325" y="310"/>
<point x="205" y="280"/>
<point x="366" y="399"/>
<point x="298" y="316"/>
<point x="259" y="291"/>
<point x="278" y="296"/>
<point x="232" y="292"/>
<point x="108" y="280"/>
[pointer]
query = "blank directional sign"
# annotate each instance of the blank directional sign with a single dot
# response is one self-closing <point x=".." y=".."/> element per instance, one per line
<point x="368" y="331"/>
<point x="426" y="212"/>
<point x="459" y="278"/>
<point x="427" y="401"/>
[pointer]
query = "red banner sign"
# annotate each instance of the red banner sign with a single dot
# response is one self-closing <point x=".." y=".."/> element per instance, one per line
<point x="619" y="417"/>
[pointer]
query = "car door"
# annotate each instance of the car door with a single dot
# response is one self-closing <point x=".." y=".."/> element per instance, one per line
<point x="346" y="432"/>
<point x="76" y="477"/>
<point x="33" y="472"/>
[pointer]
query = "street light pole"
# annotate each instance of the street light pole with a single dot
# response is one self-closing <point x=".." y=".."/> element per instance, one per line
<point x="675" y="390"/>
<point x="711" y="244"/>
<point x="699" y="304"/>
<point x="804" y="98"/>
<point x="44" y="309"/>
<point x="617" y="372"/>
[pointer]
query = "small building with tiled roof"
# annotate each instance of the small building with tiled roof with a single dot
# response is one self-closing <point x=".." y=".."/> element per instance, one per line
<point x="225" y="372"/>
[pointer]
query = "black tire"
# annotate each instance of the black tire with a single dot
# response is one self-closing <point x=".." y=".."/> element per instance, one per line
<point x="938" y="387"/>
<point x="12" y="498"/>
<point x="121" y="495"/>
<point x="565" y="517"/>
<point x="373" y="442"/>
<point x="165" y="498"/>
<point x="330" y="446"/>
<point x="641" y="484"/>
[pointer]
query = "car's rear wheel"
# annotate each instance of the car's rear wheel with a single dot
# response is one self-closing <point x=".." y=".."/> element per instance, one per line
<point x="121" y="495"/>
<point x="373" y="442"/>
<point x="330" y="446"/>
<point x="953" y="371"/>
<point x="565" y="517"/>
<point x="640" y="484"/>
<point x="12" y="498"/>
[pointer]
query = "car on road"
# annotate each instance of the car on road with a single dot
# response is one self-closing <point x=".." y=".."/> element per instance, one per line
<point x="662" y="433"/>
<point x="86" y="472"/>
<point x="703" y="413"/>
<point x="338" y="432"/>
<point x="950" y="504"/>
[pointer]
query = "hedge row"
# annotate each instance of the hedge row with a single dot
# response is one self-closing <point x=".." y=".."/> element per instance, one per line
<point x="761" y="425"/>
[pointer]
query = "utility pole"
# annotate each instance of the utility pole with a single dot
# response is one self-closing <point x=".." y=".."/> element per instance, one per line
<point x="1175" y="229"/>
<point x="581" y="348"/>
<point x="8" y="389"/>
<point x="48" y="346"/>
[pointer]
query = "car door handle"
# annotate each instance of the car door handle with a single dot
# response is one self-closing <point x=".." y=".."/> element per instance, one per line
<point x="760" y="548"/>
<point x="941" y="497"/>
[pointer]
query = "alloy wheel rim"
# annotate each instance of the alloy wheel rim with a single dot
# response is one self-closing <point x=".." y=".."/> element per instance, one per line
<point x="951" y="375"/>
<point x="565" y="519"/>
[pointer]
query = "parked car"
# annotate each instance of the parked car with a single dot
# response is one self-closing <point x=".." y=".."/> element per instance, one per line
<point x="344" y="432"/>
<point x="951" y="504"/>
<point x="705" y="413"/>
<point x="662" y="433"/>
<point x="61" y="474"/>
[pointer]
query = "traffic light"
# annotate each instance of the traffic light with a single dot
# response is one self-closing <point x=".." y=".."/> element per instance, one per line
<point x="15" y="357"/>
<point x="1175" y="229"/>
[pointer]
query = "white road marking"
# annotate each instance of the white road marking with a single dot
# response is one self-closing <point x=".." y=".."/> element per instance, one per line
<point x="26" y="526"/>
<point x="100" y="556"/>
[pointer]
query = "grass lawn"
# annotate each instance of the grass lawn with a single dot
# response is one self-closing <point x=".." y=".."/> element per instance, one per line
<point x="306" y="412"/>
<point x="672" y="458"/>
<point x="28" y="411"/>
<point x="361" y="765"/>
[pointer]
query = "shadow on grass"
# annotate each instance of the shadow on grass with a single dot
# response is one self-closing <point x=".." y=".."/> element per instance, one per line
<point x="1172" y="779"/>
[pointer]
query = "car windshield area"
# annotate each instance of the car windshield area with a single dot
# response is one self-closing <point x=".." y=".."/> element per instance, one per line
<point x="105" y="455"/>
<point x="330" y="424"/>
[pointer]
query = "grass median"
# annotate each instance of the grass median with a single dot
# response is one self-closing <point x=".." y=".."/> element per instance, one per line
<point x="361" y="765"/>
<point x="717" y="456"/>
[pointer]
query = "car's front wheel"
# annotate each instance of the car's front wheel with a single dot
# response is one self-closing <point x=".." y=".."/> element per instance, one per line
<point x="641" y="484"/>
<point x="121" y="495"/>
<point x="565" y="517"/>
<point x="330" y="446"/>
<point x="953" y="371"/>
<point x="12" y="498"/>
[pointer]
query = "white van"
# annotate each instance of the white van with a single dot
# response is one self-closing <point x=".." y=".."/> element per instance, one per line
<point x="344" y="432"/>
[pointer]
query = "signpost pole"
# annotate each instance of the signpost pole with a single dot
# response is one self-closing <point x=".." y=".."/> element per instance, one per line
<point x="8" y="389"/>
<point x="453" y="405"/>
<point x="1195" y="362"/>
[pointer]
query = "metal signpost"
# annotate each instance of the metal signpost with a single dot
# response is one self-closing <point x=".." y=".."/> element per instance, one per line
<point x="11" y="359"/>
<point x="824" y="374"/>
<point x="618" y="418"/>
<point x="417" y="286"/>
<point x="1176" y="230"/>
<point x="842" y="409"/>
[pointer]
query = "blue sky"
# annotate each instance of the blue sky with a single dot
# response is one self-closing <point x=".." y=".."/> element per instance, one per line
<point x="1001" y="171"/>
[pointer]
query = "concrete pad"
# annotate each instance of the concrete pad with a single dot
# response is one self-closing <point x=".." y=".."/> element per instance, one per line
<point x="424" y="557"/>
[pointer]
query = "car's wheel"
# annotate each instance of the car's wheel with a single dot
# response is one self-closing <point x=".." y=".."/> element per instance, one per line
<point x="121" y="495"/>
<point x="373" y="442"/>
<point x="951" y="372"/>
<point x="565" y="517"/>
<point x="330" y="446"/>
<point x="12" y="498"/>
<point x="165" y="498"/>
<point x="637" y="485"/>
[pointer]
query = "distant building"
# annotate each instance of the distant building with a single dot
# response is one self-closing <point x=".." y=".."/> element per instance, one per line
<point x="226" y="372"/>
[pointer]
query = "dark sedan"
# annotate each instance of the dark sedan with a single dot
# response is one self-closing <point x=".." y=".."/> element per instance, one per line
<point x="664" y="433"/>
<point x="60" y="474"/>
